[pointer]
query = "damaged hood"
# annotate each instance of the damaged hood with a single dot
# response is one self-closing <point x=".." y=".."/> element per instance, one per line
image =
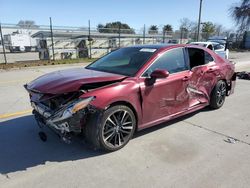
<point x="70" y="80"/>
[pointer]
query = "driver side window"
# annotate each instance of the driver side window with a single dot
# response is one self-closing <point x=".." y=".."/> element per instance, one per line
<point x="173" y="61"/>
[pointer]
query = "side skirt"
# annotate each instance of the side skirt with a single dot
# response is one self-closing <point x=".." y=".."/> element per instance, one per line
<point x="172" y="116"/>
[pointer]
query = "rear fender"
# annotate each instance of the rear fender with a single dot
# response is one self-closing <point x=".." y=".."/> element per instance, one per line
<point x="231" y="85"/>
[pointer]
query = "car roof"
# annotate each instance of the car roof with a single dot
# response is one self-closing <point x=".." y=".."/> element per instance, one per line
<point x="160" y="47"/>
<point x="201" y="43"/>
<point x="206" y="43"/>
<point x="217" y="41"/>
<point x="155" y="46"/>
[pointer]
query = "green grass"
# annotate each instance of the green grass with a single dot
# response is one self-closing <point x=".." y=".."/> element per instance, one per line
<point x="44" y="63"/>
<point x="69" y="61"/>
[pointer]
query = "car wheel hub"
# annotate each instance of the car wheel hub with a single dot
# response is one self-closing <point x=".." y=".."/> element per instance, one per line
<point x="117" y="128"/>
<point x="221" y="93"/>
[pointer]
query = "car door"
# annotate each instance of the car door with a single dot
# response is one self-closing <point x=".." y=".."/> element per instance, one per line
<point x="203" y="76"/>
<point x="165" y="96"/>
<point x="220" y="50"/>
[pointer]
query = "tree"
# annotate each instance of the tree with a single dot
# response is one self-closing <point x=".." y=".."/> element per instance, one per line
<point x="100" y="28"/>
<point x="186" y="23"/>
<point x="27" y="24"/>
<point x="190" y="28"/>
<point x="153" y="29"/>
<point x="115" y="27"/>
<point x="219" y="30"/>
<point x="183" y="33"/>
<point x="241" y="14"/>
<point x="168" y="28"/>
<point x="208" y="28"/>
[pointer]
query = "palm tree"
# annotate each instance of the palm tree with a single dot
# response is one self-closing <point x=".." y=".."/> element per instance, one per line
<point x="167" y="28"/>
<point x="153" y="29"/>
<point x="241" y="14"/>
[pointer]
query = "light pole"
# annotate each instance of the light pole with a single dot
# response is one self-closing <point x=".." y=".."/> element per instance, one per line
<point x="199" y="22"/>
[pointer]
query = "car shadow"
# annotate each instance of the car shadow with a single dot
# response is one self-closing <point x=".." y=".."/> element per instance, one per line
<point x="168" y="123"/>
<point x="21" y="147"/>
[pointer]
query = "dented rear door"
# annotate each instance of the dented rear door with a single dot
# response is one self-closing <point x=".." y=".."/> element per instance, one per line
<point x="202" y="80"/>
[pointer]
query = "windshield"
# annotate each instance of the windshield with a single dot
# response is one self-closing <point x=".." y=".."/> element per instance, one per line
<point x="221" y="42"/>
<point x="125" y="61"/>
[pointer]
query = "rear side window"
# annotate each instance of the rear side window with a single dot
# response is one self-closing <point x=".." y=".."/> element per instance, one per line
<point x="208" y="58"/>
<point x="198" y="57"/>
<point x="218" y="47"/>
<point x="173" y="61"/>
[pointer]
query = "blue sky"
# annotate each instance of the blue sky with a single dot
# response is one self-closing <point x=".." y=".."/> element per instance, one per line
<point x="134" y="12"/>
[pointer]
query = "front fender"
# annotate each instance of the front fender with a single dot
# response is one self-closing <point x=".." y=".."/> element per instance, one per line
<point x="127" y="92"/>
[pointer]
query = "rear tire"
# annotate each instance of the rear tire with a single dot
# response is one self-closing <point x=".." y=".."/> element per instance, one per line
<point x="218" y="95"/>
<point x="112" y="129"/>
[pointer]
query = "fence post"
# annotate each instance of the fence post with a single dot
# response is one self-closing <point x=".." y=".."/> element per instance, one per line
<point x="4" y="53"/>
<point x="119" y="31"/>
<point x="181" y="34"/>
<point x="163" y="38"/>
<point x="144" y="33"/>
<point x="89" y="39"/>
<point x="52" y="40"/>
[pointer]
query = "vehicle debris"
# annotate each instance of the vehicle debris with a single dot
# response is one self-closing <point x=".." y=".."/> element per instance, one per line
<point x="243" y="75"/>
<point x="231" y="140"/>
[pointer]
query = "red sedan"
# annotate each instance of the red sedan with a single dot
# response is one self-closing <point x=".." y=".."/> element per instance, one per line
<point x="130" y="89"/>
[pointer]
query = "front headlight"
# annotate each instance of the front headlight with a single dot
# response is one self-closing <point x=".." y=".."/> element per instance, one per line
<point x="75" y="107"/>
<point x="81" y="104"/>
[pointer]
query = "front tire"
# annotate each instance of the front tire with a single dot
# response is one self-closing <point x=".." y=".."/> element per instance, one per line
<point x="113" y="129"/>
<point x="218" y="95"/>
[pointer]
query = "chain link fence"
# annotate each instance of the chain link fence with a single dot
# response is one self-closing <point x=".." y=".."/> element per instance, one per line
<point x="47" y="42"/>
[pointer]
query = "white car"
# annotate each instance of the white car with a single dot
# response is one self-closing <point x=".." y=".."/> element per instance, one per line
<point x="218" y="48"/>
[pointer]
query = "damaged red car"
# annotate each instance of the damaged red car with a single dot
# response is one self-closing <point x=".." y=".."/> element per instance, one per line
<point x="130" y="89"/>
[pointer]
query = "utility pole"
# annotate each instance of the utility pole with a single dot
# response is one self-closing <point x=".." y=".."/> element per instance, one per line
<point x="4" y="54"/>
<point x="163" y="38"/>
<point x="89" y="39"/>
<point x="199" y="22"/>
<point x="52" y="40"/>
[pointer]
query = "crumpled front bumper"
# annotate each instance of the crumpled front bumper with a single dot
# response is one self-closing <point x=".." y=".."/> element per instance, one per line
<point x="57" y="122"/>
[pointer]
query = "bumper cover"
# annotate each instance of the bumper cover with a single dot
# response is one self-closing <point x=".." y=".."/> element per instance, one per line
<point x="57" y="122"/>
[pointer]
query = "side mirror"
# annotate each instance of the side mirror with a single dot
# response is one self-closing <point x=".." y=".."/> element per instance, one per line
<point x="159" y="74"/>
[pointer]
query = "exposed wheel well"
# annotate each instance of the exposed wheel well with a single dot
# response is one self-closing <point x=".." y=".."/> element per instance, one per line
<point x="228" y="86"/>
<point x="128" y="105"/>
<point x="216" y="83"/>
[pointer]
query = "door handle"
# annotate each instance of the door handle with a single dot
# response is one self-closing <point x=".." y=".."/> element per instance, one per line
<point x="185" y="78"/>
<point x="211" y="70"/>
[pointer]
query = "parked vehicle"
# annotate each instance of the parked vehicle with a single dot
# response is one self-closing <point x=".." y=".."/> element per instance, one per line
<point x="20" y="42"/>
<point x="130" y="89"/>
<point x="218" y="48"/>
<point x="223" y="41"/>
